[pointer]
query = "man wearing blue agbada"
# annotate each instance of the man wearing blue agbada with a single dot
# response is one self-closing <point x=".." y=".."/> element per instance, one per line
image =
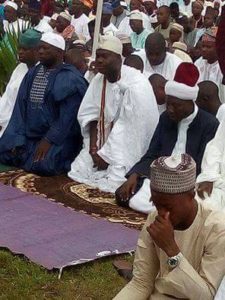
<point x="43" y="135"/>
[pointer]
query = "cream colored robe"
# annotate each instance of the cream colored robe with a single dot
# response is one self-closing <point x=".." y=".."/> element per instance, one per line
<point x="201" y="268"/>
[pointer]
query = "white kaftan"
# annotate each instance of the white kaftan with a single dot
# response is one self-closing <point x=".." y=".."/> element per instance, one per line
<point x="131" y="106"/>
<point x="211" y="72"/>
<point x="8" y="99"/>
<point x="81" y="26"/>
<point x="213" y="168"/>
<point x="167" y="68"/>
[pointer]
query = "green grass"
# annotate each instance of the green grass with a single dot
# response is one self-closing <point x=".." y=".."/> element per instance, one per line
<point x="22" y="280"/>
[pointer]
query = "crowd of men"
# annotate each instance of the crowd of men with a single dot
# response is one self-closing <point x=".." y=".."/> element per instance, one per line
<point x="152" y="95"/>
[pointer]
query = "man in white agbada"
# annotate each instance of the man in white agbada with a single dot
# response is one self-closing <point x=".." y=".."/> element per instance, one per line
<point x="118" y="116"/>
<point x="12" y="23"/>
<point x="208" y="64"/>
<point x="156" y="59"/>
<point x="182" y="128"/>
<point x="211" y="181"/>
<point x="79" y="20"/>
<point x="28" y="56"/>
<point x="135" y="6"/>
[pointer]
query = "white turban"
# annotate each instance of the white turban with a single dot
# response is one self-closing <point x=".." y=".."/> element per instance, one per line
<point x="54" y="39"/>
<point x="11" y="4"/>
<point x="136" y="15"/>
<point x="110" y="43"/>
<point x="181" y="90"/>
<point x="66" y="16"/>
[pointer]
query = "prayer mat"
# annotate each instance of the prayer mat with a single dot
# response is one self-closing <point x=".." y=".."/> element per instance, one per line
<point x="54" y="236"/>
<point x="79" y="197"/>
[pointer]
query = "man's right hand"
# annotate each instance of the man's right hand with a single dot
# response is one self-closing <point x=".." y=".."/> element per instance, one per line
<point x="127" y="189"/>
<point x="204" y="187"/>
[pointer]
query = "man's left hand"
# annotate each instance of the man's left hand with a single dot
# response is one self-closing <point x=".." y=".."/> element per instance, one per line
<point x="42" y="150"/>
<point x="162" y="233"/>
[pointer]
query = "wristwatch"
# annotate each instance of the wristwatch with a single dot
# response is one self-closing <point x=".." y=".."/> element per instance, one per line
<point x="174" y="261"/>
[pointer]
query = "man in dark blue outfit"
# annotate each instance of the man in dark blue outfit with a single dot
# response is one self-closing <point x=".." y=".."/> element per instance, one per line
<point x="43" y="135"/>
<point x="182" y="128"/>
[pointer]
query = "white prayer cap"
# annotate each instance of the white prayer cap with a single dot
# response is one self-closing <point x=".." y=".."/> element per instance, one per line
<point x="110" y="43"/>
<point x="136" y="15"/>
<point x="181" y="90"/>
<point x="153" y="18"/>
<point x="79" y="42"/>
<point x="54" y="16"/>
<point x="209" y="4"/>
<point x="11" y="4"/>
<point x="54" y="39"/>
<point x="66" y="16"/>
<point x="180" y="46"/>
<point x="177" y="27"/>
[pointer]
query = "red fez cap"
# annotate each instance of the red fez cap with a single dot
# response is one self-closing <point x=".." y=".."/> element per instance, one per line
<point x="187" y="73"/>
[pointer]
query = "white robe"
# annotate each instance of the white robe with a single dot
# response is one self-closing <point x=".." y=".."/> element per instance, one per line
<point x="221" y="113"/>
<point x="17" y="26"/>
<point x="140" y="201"/>
<point x="8" y="99"/>
<point x="81" y="26"/>
<point x="43" y="27"/>
<point x="167" y="68"/>
<point x="211" y="72"/>
<point x="213" y="168"/>
<point x="110" y="29"/>
<point x="131" y="105"/>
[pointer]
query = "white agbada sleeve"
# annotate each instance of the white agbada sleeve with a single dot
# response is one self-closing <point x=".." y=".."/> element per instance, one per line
<point x="90" y="106"/>
<point x="8" y="99"/>
<point x="213" y="157"/>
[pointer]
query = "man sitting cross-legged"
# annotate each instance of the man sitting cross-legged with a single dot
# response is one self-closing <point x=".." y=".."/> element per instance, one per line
<point x="180" y="251"/>
<point x="43" y="135"/>
<point x="118" y="117"/>
<point x="182" y="128"/>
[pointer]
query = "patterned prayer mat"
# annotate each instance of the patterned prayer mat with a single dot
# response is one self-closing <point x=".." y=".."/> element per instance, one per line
<point x="79" y="197"/>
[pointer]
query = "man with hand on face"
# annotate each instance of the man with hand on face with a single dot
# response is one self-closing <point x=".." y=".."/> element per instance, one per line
<point x="118" y="116"/>
<point x="180" y="251"/>
<point x="43" y="135"/>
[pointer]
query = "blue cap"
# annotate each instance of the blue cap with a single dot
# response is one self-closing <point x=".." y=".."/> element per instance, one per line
<point x="107" y="8"/>
<point x="116" y="4"/>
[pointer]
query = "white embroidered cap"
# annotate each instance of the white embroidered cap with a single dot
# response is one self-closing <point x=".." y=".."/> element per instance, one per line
<point x="66" y="16"/>
<point x="136" y="15"/>
<point x="54" y="39"/>
<point x="110" y="43"/>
